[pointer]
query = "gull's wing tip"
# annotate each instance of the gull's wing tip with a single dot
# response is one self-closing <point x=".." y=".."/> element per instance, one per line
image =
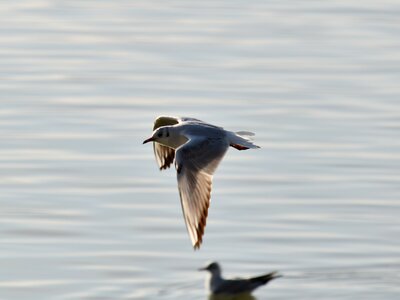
<point x="197" y="246"/>
<point x="164" y="167"/>
<point x="196" y="243"/>
<point x="276" y="274"/>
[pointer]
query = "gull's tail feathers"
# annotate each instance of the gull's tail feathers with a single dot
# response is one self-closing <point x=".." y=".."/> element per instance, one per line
<point x="241" y="141"/>
<point x="264" y="279"/>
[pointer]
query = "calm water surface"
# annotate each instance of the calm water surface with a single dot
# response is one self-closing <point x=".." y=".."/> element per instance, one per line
<point x="85" y="213"/>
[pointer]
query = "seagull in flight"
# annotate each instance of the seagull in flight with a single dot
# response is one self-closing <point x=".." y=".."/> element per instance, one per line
<point x="217" y="285"/>
<point x="197" y="147"/>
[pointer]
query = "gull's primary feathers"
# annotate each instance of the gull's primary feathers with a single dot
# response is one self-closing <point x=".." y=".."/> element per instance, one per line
<point x="219" y="286"/>
<point x="197" y="148"/>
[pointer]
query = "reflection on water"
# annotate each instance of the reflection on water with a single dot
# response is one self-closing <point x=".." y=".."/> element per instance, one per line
<point x="84" y="212"/>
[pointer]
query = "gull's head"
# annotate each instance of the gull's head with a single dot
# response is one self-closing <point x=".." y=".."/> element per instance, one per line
<point x="213" y="268"/>
<point x="160" y="135"/>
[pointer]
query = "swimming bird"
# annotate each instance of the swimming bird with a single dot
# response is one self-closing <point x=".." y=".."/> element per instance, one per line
<point x="197" y="147"/>
<point x="217" y="285"/>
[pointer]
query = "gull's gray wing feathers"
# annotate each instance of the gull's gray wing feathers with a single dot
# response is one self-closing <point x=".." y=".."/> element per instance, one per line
<point x="195" y="163"/>
<point x="165" y="155"/>
<point x="234" y="287"/>
<point x="237" y="286"/>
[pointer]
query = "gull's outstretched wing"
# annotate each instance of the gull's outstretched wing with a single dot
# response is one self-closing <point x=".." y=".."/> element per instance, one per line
<point x="165" y="155"/>
<point x="195" y="163"/>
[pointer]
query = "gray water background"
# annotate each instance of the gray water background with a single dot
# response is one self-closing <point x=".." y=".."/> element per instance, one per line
<point x="84" y="211"/>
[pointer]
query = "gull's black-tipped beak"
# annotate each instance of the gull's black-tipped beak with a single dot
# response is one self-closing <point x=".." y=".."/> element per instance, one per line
<point x="151" y="139"/>
<point x="202" y="269"/>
